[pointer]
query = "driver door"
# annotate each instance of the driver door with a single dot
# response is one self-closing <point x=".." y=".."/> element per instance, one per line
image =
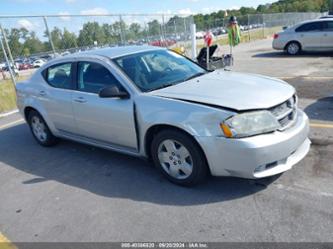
<point x="106" y="120"/>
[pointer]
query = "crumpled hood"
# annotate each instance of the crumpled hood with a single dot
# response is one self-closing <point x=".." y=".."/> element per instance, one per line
<point x="232" y="90"/>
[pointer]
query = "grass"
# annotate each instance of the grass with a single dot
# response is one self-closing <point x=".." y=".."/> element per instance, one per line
<point x="7" y="96"/>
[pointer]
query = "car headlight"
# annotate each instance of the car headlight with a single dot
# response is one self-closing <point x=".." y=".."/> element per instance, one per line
<point x="249" y="124"/>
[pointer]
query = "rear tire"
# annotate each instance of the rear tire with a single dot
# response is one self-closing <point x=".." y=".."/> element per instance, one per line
<point x="179" y="158"/>
<point x="293" y="48"/>
<point x="40" y="130"/>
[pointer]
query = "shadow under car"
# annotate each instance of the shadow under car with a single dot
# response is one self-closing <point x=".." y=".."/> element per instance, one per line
<point x="111" y="174"/>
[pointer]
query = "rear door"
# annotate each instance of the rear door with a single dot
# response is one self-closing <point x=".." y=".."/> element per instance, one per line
<point x="106" y="120"/>
<point x="327" y="39"/>
<point x="310" y="35"/>
<point x="56" y="95"/>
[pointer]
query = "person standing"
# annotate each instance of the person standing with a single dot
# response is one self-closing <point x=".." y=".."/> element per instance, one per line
<point x="234" y="35"/>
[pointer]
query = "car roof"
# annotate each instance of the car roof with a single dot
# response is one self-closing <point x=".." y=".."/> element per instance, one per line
<point x="294" y="27"/>
<point x="114" y="52"/>
<point x="317" y="20"/>
<point x="110" y="52"/>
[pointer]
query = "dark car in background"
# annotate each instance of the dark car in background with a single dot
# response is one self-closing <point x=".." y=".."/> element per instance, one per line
<point x="25" y="66"/>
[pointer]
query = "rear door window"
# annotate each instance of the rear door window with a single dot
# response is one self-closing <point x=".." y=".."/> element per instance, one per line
<point x="328" y="26"/>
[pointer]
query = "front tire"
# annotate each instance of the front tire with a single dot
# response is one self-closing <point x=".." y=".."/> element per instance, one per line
<point x="293" y="48"/>
<point x="40" y="130"/>
<point x="179" y="158"/>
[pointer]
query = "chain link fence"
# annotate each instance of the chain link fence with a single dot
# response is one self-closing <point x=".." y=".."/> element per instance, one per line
<point x="32" y="40"/>
<point x="255" y="26"/>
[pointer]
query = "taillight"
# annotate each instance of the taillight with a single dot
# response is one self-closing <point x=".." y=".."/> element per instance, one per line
<point x="276" y="36"/>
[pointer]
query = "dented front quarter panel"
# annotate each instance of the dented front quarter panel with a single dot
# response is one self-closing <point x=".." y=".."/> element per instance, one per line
<point x="194" y="118"/>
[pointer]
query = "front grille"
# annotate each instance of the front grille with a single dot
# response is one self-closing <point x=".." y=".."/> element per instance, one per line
<point x="286" y="112"/>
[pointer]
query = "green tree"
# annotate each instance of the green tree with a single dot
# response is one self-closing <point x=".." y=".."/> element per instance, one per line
<point x="24" y="33"/>
<point x="262" y="8"/>
<point x="135" y="29"/>
<point x="112" y="33"/>
<point x="69" y="40"/>
<point x="26" y="52"/>
<point x="175" y="25"/>
<point x="90" y="33"/>
<point x="13" y="39"/>
<point x="33" y="43"/>
<point x="154" y="28"/>
<point x="120" y="28"/>
<point x="57" y="37"/>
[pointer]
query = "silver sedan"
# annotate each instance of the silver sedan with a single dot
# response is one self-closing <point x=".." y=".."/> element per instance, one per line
<point x="153" y="103"/>
<point x="315" y="35"/>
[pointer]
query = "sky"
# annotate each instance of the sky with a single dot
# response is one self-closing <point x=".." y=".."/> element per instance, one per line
<point x="92" y="7"/>
<point x="43" y="7"/>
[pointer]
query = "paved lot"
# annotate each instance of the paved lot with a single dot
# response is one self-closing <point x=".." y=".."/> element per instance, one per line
<point x="259" y="57"/>
<point x="74" y="192"/>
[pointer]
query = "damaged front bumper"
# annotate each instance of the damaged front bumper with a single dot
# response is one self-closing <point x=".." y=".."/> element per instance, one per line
<point x="258" y="156"/>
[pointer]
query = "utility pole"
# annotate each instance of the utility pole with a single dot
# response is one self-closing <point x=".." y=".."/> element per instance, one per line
<point x="163" y="30"/>
<point x="8" y="48"/>
<point x="146" y="32"/>
<point x="10" y="69"/>
<point x="49" y="35"/>
<point x="122" y="31"/>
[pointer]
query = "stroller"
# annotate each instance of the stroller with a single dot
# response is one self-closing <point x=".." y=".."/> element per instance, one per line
<point x="214" y="62"/>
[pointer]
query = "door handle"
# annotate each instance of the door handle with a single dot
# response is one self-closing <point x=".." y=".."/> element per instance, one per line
<point x="42" y="93"/>
<point x="325" y="34"/>
<point x="80" y="100"/>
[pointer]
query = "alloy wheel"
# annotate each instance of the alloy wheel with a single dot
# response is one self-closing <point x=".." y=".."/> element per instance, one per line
<point x="293" y="48"/>
<point x="175" y="159"/>
<point x="39" y="129"/>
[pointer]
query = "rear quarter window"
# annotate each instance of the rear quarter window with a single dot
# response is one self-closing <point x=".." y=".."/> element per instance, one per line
<point x="59" y="76"/>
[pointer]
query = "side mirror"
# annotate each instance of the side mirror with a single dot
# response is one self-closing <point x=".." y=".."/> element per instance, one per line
<point x="113" y="92"/>
<point x="284" y="28"/>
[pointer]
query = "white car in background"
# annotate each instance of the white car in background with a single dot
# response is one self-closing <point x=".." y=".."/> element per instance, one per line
<point x="315" y="35"/>
<point x="38" y="63"/>
<point x="199" y="35"/>
<point x="2" y="65"/>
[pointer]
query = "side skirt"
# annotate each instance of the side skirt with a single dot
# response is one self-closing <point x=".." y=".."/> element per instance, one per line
<point x="100" y="144"/>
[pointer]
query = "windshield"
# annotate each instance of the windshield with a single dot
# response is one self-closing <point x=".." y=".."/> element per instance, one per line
<point x="158" y="69"/>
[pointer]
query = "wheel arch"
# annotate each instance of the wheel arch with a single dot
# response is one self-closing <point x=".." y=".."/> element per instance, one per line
<point x="293" y="41"/>
<point x="28" y="108"/>
<point x="148" y="138"/>
<point x="27" y="111"/>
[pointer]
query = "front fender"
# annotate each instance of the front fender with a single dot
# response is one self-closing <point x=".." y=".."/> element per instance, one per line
<point x="195" y="119"/>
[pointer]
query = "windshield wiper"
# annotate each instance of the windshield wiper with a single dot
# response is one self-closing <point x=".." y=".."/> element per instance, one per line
<point x="194" y="76"/>
<point x="176" y="82"/>
<point x="160" y="87"/>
